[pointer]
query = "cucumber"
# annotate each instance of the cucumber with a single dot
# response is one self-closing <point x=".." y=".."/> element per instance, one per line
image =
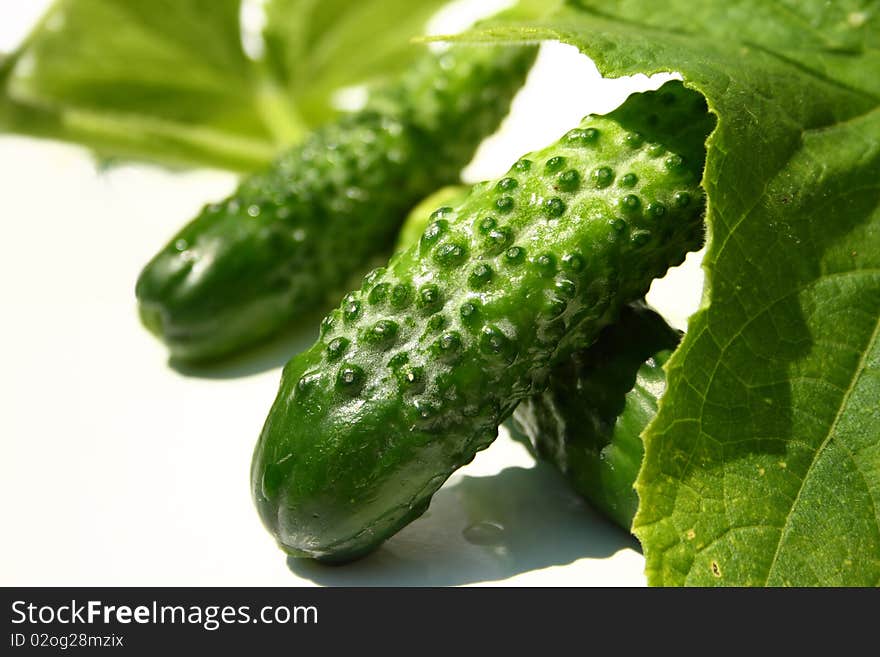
<point x="291" y="237"/>
<point x="588" y="422"/>
<point x="413" y="373"/>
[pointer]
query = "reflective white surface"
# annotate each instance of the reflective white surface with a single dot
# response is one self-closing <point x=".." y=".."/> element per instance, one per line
<point x="117" y="469"/>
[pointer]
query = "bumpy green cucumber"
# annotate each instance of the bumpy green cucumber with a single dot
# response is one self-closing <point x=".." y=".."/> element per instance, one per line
<point x="292" y="236"/>
<point x="413" y="373"/>
<point x="589" y="420"/>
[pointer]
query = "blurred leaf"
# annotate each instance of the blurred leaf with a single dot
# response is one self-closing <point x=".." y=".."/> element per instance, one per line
<point x="316" y="47"/>
<point x="169" y="80"/>
<point x="166" y="79"/>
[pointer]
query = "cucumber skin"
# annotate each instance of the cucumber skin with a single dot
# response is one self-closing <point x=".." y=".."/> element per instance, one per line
<point x="420" y="216"/>
<point x="290" y="237"/>
<point x="414" y="372"/>
<point x="589" y="420"/>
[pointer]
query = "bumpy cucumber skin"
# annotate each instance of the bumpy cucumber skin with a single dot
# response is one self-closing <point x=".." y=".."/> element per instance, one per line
<point x="589" y="420"/>
<point x="415" y="370"/>
<point x="292" y="236"/>
<point x="420" y="216"/>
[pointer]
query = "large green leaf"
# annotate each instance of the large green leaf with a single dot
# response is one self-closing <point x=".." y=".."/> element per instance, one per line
<point x="763" y="464"/>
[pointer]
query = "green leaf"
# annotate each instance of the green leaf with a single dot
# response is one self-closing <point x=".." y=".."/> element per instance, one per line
<point x="165" y="79"/>
<point x="169" y="80"/>
<point x="315" y="47"/>
<point x="763" y="464"/>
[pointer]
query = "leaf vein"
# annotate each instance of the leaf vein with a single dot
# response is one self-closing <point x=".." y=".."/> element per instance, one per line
<point x="863" y="361"/>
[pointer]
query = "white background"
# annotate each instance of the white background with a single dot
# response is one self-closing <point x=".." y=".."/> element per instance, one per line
<point x="117" y="469"/>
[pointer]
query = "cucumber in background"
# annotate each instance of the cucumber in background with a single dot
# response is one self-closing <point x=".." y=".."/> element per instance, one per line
<point x="414" y="372"/>
<point x="589" y="420"/>
<point x="290" y="237"/>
